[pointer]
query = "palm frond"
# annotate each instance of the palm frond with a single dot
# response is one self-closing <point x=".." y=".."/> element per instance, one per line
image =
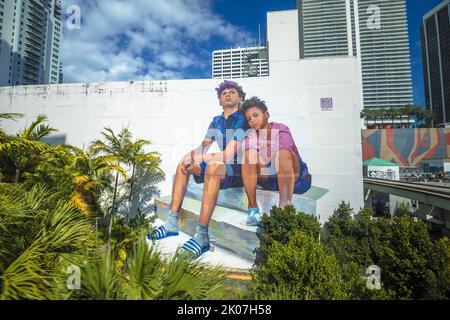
<point x="41" y="131"/>
<point x="101" y="281"/>
<point x="29" y="130"/>
<point x="10" y="143"/>
<point x="11" y="116"/>
<point x="144" y="269"/>
<point x="37" y="231"/>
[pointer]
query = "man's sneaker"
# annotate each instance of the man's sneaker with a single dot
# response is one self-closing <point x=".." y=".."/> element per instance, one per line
<point x="161" y="233"/>
<point x="254" y="217"/>
<point x="195" y="249"/>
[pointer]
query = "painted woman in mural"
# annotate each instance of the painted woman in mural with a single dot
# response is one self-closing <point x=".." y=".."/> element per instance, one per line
<point x="218" y="171"/>
<point x="271" y="159"/>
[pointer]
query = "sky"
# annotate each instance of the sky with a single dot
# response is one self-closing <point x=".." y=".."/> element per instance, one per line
<point x="173" y="39"/>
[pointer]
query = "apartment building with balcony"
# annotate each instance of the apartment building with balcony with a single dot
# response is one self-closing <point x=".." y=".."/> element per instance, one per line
<point x="240" y="63"/>
<point x="30" y="33"/>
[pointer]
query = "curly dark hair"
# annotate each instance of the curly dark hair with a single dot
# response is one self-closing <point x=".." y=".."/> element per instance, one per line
<point x="254" y="102"/>
<point x="230" y="85"/>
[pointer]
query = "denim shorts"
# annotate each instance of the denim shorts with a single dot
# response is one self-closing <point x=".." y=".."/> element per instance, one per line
<point x="302" y="185"/>
<point x="233" y="176"/>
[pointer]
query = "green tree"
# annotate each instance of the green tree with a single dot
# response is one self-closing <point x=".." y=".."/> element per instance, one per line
<point x="440" y="263"/>
<point x="280" y="225"/>
<point x="355" y="238"/>
<point x="116" y="148"/>
<point x="121" y="150"/>
<point x="139" y="158"/>
<point x="21" y="153"/>
<point x="303" y="266"/>
<point x="405" y="260"/>
<point x="78" y="176"/>
<point x="409" y="261"/>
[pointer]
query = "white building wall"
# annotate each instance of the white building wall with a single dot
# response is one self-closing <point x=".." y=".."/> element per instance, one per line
<point x="174" y="115"/>
<point x="282" y="35"/>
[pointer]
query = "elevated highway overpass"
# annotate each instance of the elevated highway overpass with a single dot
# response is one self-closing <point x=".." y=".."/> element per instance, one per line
<point x="433" y="200"/>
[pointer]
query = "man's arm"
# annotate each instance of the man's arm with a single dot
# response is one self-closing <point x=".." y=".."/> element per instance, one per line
<point x="189" y="158"/>
<point x="226" y="155"/>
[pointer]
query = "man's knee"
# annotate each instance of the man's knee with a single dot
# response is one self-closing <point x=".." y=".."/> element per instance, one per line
<point x="215" y="168"/>
<point x="180" y="167"/>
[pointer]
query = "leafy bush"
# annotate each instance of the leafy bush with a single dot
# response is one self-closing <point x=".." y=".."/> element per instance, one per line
<point x="440" y="262"/>
<point x="407" y="260"/>
<point x="412" y="265"/>
<point x="279" y="226"/>
<point x="410" y="262"/>
<point x="147" y="275"/>
<point x="302" y="267"/>
<point x="40" y="235"/>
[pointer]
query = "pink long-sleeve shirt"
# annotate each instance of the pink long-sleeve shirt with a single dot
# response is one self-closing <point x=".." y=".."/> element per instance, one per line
<point x="280" y="139"/>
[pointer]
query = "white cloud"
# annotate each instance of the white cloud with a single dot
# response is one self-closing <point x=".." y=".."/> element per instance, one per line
<point x="142" y="39"/>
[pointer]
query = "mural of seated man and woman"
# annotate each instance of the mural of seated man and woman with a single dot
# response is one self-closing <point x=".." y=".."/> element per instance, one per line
<point x="253" y="152"/>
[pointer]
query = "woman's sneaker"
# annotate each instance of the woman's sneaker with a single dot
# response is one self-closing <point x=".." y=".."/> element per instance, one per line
<point x="254" y="217"/>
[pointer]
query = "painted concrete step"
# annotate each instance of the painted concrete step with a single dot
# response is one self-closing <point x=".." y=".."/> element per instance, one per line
<point x="227" y="226"/>
<point x="236" y="199"/>
<point x="233" y="264"/>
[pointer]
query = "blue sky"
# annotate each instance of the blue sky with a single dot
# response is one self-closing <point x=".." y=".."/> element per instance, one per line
<point x="173" y="39"/>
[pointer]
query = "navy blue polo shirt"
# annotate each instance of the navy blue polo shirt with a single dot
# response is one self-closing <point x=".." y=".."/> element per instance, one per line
<point x="223" y="131"/>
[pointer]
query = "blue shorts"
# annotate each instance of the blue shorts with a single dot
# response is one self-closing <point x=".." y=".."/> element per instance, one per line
<point x="233" y="176"/>
<point x="302" y="184"/>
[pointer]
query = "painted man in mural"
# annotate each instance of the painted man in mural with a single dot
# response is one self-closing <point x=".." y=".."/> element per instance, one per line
<point x="218" y="171"/>
<point x="272" y="160"/>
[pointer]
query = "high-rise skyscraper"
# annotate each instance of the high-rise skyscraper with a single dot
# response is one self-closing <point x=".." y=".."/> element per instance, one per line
<point x="240" y="63"/>
<point x="435" y="34"/>
<point x="330" y="28"/>
<point x="30" y="33"/>
<point x="325" y="28"/>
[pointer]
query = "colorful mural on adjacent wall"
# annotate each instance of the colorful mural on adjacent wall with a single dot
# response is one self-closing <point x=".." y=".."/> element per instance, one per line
<point x="407" y="147"/>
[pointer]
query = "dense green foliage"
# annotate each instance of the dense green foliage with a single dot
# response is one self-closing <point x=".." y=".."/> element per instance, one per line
<point x="295" y="265"/>
<point x="279" y="226"/>
<point x="64" y="210"/>
<point x="292" y="260"/>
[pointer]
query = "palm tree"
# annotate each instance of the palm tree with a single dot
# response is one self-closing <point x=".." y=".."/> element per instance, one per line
<point x="148" y="161"/>
<point x="23" y="150"/>
<point x="376" y="113"/>
<point x="423" y="115"/>
<point x="78" y="175"/>
<point x="408" y="110"/>
<point x="122" y="150"/>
